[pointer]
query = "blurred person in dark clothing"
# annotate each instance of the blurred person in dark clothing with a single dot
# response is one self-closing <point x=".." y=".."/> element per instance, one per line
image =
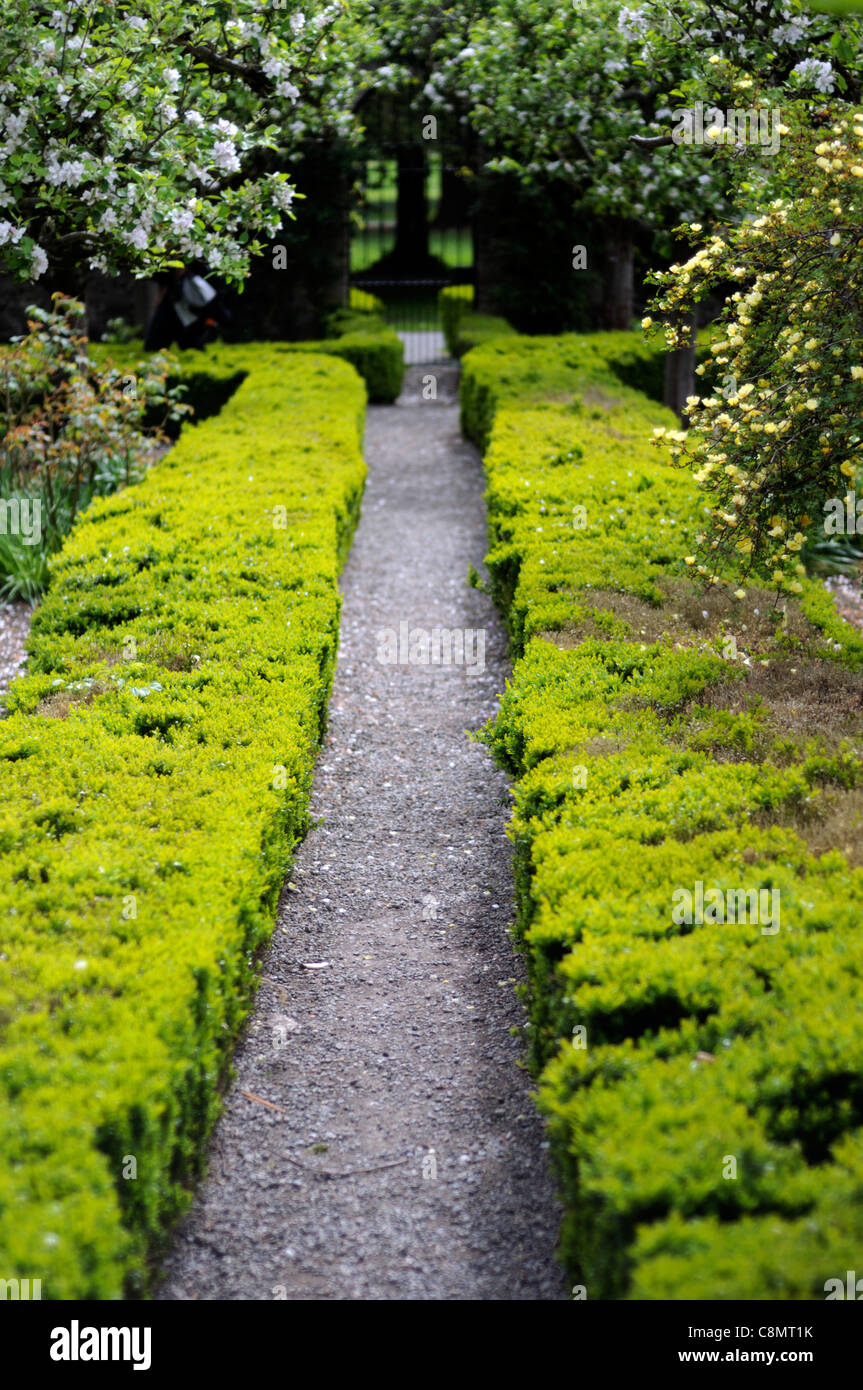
<point x="187" y="311"/>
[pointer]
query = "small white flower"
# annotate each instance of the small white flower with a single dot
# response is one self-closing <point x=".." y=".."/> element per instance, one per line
<point x="633" y="24"/>
<point x="70" y="172"/>
<point x="813" y="70"/>
<point x="225" y="156"/>
<point x="181" y="219"/>
<point x="10" y="233"/>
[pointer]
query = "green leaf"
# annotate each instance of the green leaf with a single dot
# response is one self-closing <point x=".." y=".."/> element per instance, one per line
<point x="836" y="6"/>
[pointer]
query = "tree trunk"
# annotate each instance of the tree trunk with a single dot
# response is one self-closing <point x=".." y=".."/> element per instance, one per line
<point x="411" y="211"/>
<point x="680" y="369"/>
<point x="619" y="274"/>
<point x="455" y="200"/>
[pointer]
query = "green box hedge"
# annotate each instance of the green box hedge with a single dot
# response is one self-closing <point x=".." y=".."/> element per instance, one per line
<point x="376" y="351"/>
<point x="454" y="301"/>
<point x="663" y="1050"/>
<point x="357" y="334"/>
<point x="462" y="328"/>
<point x="157" y="764"/>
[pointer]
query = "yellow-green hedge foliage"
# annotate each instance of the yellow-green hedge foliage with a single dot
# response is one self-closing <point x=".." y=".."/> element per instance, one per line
<point x="462" y="328"/>
<point x="152" y="795"/>
<point x="700" y="1043"/>
<point x="355" y="334"/>
<point x="364" y="302"/>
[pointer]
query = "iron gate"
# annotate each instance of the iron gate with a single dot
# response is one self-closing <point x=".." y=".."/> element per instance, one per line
<point x="411" y="235"/>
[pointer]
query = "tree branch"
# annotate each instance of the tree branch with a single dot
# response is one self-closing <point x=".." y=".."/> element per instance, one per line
<point x="217" y="62"/>
<point x="651" y="142"/>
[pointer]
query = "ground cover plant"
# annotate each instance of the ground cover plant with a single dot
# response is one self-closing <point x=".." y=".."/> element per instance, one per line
<point x="81" y="420"/>
<point x="69" y="432"/>
<point x="157" y="766"/>
<point x="700" y="1072"/>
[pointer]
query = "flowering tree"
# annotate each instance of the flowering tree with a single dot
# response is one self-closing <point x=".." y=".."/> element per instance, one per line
<point x="125" y="131"/>
<point x="777" y="438"/>
<point x="589" y="91"/>
<point x="401" y="61"/>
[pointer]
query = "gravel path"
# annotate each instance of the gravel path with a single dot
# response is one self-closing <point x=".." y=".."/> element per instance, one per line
<point x="847" y="590"/>
<point x="15" y="621"/>
<point x="399" y="1155"/>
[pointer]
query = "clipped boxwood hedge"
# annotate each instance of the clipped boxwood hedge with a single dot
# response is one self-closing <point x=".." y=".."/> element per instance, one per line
<point x="157" y="765"/>
<point x="462" y="328"/>
<point x="664" y="1051"/>
<point x="454" y="301"/>
<point x="376" y="351"/>
<point x="356" y="334"/>
<point x="364" y="302"/>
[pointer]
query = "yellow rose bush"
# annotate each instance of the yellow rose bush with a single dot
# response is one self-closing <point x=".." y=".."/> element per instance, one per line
<point x="776" y="432"/>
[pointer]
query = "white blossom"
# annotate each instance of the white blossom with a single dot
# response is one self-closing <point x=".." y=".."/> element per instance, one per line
<point x="632" y="23"/>
<point x="816" y="71"/>
<point x="181" y="219"/>
<point x="10" y="233"/>
<point x="225" y="156"/>
<point x="790" y="33"/>
<point x="70" y="172"/>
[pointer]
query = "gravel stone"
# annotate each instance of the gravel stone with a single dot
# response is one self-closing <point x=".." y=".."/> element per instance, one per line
<point x="400" y="1155"/>
<point x="15" y="619"/>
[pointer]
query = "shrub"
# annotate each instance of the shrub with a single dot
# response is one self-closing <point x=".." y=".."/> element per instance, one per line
<point x="462" y="328"/>
<point x="663" y="735"/>
<point x="157" y="766"/>
<point x="775" y="435"/>
<point x="363" y="302"/>
<point x="476" y="329"/>
<point x="372" y="348"/>
<point x="69" y="432"/>
<point x="376" y="351"/>
<point x="454" y="301"/>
